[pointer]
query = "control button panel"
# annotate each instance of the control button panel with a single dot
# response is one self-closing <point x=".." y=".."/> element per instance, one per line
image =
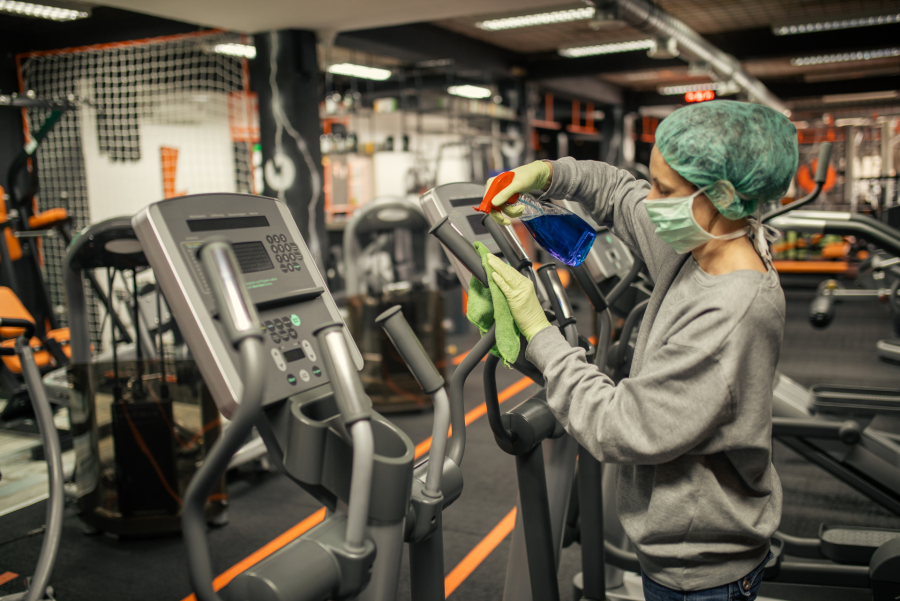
<point x="282" y="281"/>
<point x="287" y="253"/>
<point x="309" y="350"/>
<point x="279" y="359"/>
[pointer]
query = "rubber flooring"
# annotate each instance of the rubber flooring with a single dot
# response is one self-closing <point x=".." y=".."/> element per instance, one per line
<point x="264" y="505"/>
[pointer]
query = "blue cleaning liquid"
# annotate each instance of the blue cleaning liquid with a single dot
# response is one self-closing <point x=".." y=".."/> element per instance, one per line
<point x="567" y="237"/>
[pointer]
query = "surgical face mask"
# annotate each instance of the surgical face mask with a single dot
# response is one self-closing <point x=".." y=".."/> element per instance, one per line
<point x="675" y="223"/>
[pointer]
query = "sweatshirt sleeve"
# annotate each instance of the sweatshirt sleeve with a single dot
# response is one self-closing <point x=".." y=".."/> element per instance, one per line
<point x="612" y="196"/>
<point x="677" y="402"/>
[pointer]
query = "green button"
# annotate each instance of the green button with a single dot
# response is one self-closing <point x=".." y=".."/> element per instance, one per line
<point x="316" y="371"/>
<point x="295" y="320"/>
<point x="609" y="238"/>
<point x="291" y="379"/>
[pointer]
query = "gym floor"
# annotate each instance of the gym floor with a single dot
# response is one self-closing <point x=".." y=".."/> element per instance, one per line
<point x="265" y="506"/>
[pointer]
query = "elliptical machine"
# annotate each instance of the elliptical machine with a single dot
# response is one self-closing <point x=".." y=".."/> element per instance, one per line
<point x="232" y="299"/>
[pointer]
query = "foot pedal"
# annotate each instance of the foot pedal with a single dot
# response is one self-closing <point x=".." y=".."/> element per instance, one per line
<point x="849" y="545"/>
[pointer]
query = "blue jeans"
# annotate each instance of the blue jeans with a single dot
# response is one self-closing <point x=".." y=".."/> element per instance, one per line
<point x="744" y="589"/>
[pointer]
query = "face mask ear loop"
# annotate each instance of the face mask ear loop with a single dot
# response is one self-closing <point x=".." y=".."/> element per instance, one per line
<point x="763" y="235"/>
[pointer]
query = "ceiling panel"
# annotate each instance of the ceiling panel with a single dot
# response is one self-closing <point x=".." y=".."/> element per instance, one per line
<point x="704" y="16"/>
<point x="334" y="15"/>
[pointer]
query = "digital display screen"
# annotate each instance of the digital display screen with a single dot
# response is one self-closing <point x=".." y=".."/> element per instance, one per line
<point x="294" y="355"/>
<point x="227" y="223"/>
<point x="465" y="202"/>
<point x="477" y="226"/>
<point x="252" y="256"/>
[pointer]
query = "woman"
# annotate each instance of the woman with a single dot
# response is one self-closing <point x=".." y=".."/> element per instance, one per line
<point x="691" y="428"/>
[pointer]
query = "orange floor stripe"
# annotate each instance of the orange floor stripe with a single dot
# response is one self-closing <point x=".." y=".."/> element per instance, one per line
<point x="277" y="543"/>
<point x="7" y="576"/>
<point x="477" y="555"/>
<point x="504" y="395"/>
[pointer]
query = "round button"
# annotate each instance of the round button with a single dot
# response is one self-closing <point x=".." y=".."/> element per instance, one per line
<point x="290" y="267"/>
<point x="279" y="258"/>
<point x="269" y="239"/>
<point x="274" y="248"/>
<point x="283" y="238"/>
<point x="269" y="325"/>
<point x="295" y="320"/>
<point x="276" y="339"/>
<point x="292" y="334"/>
<point x="304" y="375"/>
<point x="278" y="324"/>
<point x="291" y="380"/>
<point x="316" y="371"/>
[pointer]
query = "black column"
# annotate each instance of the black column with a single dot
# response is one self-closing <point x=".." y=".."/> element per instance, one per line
<point x="284" y="74"/>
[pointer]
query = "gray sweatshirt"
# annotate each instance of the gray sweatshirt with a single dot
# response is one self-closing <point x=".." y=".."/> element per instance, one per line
<point x="691" y="429"/>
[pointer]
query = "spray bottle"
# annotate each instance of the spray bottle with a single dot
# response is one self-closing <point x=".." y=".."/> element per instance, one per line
<point x="560" y="232"/>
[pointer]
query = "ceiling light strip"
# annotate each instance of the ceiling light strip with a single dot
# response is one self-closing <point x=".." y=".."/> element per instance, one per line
<point x="239" y="50"/>
<point x="557" y="16"/>
<point x="360" y="71"/>
<point x="699" y="87"/>
<point x="467" y="91"/>
<point x="845" y="57"/>
<point x="606" y="48"/>
<point x="40" y="11"/>
<point x="836" y="24"/>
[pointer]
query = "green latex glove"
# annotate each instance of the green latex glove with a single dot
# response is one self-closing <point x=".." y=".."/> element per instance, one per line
<point x="522" y="299"/>
<point x="532" y="176"/>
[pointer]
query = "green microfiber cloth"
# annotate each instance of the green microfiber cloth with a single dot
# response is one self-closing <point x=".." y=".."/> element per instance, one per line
<point x="489" y="304"/>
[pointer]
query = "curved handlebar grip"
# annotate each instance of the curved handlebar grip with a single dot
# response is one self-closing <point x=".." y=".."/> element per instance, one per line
<point x="460" y="247"/>
<point x="410" y="348"/>
<point x="593" y="293"/>
<point x="236" y="311"/>
<point x="558" y="298"/>
<point x="349" y="395"/>
<point x="509" y="252"/>
<point x="822" y="163"/>
<point x="821" y="310"/>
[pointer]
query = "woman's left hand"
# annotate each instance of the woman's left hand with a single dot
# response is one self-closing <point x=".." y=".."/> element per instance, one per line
<point x="523" y="301"/>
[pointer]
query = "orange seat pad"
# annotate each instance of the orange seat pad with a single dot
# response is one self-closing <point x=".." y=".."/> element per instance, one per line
<point x="12" y="308"/>
<point x="48" y="219"/>
<point x="42" y="356"/>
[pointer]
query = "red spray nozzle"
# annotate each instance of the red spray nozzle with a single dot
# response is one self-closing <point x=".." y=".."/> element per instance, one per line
<point x="500" y="182"/>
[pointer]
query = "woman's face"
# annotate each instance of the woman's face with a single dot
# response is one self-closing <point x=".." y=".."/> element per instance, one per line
<point x="668" y="183"/>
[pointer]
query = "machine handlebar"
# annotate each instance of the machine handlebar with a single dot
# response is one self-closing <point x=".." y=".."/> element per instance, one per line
<point x="349" y="395"/>
<point x="821" y="175"/>
<point x="509" y="252"/>
<point x="558" y="298"/>
<point x="236" y="311"/>
<point x="822" y="163"/>
<point x="410" y="348"/>
<point x="460" y="247"/>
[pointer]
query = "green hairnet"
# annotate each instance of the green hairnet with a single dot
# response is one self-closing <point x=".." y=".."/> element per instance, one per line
<point x="746" y="153"/>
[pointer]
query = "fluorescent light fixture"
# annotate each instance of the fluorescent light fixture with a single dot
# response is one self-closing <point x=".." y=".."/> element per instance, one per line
<point x="699" y="87"/>
<point x="360" y="71"/>
<point x="844" y="57"/>
<point x="835" y="98"/>
<point x="557" y="16"/>
<point x="607" y="48"/>
<point x="857" y="121"/>
<point x="835" y="24"/>
<point x="41" y="11"/>
<point x="470" y="91"/>
<point x="239" y="50"/>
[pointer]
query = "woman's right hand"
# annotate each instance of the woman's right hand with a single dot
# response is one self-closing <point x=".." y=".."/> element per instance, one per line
<point x="533" y="176"/>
